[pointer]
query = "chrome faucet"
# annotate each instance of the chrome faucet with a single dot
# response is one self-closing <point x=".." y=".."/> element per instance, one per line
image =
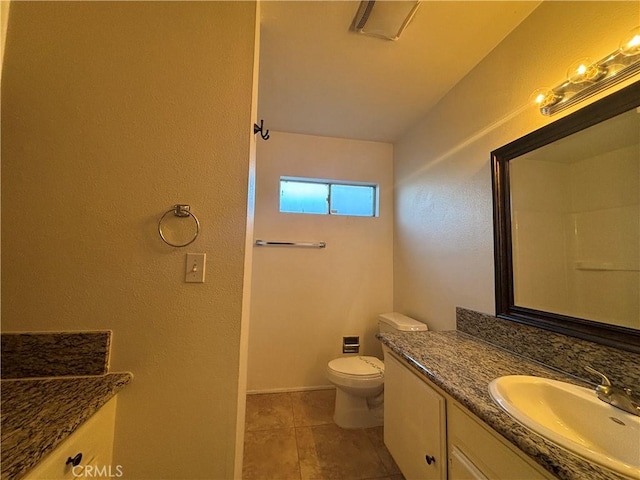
<point x="622" y="398"/>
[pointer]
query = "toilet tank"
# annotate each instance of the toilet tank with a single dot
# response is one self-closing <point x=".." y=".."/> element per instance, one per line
<point x="397" y="322"/>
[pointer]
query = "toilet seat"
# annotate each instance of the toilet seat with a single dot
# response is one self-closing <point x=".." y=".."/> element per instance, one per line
<point x="360" y="366"/>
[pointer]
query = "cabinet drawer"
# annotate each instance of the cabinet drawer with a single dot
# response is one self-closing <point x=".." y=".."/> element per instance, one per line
<point x="94" y="439"/>
<point x="477" y="453"/>
<point x="460" y="467"/>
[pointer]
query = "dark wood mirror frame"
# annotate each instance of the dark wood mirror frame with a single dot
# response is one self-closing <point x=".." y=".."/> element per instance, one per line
<point x="612" y="335"/>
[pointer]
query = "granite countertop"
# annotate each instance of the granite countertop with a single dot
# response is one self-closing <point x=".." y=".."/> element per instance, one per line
<point x="40" y="413"/>
<point x="463" y="366"/>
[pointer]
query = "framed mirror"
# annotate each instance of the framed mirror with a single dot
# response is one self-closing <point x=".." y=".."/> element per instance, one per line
<point x="567" y="224"/>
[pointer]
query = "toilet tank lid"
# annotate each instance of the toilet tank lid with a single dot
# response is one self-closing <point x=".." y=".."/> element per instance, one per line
<point x="402" y="322"/>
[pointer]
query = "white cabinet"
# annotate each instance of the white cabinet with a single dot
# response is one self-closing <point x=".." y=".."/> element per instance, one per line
<point x="477" y="452"/>
<point x="431" y="436"/>
<point x="460" y="467"/>
<point x="414" y="423"/>
<point x="93" y="440"/>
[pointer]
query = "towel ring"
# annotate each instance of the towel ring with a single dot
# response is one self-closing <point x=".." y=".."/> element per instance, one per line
<point x="179" y="211"/>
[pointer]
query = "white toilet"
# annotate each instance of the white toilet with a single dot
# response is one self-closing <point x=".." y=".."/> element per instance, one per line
<point x="359" y="379"/>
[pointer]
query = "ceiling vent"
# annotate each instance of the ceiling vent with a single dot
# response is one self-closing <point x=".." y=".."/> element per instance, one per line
<point x="384" y="19"/>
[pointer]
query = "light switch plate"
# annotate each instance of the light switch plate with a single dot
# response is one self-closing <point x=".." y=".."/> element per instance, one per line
<point x="195" y="267"/>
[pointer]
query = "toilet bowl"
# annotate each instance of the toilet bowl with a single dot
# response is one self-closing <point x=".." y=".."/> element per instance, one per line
<point x="359" y="384"/>
<point x="359" y="380"/>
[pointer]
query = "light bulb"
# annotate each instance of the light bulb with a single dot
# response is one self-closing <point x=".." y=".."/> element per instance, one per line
<point x="545" y="97"/>
<point x="585" y="70"/>
<point x="630" y="45"/>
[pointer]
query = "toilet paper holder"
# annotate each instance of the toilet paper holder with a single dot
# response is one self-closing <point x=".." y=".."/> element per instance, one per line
<point x="351" y="344"/>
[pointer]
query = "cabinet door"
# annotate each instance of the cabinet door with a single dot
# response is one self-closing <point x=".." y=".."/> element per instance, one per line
<point x="94" y="440"/>
<point x="414" y="423"/>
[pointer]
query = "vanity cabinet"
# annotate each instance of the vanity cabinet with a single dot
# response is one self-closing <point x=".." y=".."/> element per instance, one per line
<point x="414" y="423"/>
<point x="93" y="440"/>
<point x="422" y="423"/>
<point x="477" y="452"/>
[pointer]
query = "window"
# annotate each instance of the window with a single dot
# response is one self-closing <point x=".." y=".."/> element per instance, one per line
<point x="323" y="197"/>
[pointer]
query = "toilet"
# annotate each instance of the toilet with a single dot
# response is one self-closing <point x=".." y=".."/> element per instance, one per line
<point x="359" y="380"/>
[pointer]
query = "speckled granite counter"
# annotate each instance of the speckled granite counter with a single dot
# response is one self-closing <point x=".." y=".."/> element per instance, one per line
<point x="52" y="382"/>
<point x="40" y="413"/>
<point x="463" y="366"/>
<point x="55" y="354"/>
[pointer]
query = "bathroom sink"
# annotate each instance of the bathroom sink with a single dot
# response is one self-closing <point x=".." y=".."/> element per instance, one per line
<point x="574" y="418"/>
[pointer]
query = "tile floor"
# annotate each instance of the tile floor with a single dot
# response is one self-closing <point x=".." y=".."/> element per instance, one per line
<point x="291" y="436"/>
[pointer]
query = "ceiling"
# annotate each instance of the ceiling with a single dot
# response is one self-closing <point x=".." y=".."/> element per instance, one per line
<point x="319" y="78"/>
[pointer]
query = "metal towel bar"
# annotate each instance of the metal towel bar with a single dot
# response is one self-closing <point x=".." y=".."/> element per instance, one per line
<point x="264" y="243"/>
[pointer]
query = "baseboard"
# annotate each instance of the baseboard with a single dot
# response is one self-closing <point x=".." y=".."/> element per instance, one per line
<point x="290" y="389"/>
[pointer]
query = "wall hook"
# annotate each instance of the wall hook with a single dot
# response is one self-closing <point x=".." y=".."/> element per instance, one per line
<point x="260" y="129"/>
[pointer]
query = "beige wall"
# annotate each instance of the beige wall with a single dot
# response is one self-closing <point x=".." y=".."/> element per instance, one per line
<point x="4" y="20"/>
<point x="111" y="113"/>
<point x="443" y="245"/>
<point x="303" y="301"/>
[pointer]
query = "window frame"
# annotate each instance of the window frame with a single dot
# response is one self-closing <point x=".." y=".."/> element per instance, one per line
<point x="375" y="207"/>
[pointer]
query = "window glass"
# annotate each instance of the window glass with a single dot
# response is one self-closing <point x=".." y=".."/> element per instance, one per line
<point x="304" y="197"/>
<point x="309" y="195"/>
<point x="354" y="200"/>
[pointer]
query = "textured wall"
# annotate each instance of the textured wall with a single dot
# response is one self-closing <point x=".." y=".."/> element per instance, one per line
<point x="303" y="301"/>
<point x="4" y="19"/>
<point x="443" y="238"/>
<point x="111" y="113"/>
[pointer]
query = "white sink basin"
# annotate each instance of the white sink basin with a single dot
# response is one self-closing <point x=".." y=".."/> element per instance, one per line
<point x="574" y="418"/>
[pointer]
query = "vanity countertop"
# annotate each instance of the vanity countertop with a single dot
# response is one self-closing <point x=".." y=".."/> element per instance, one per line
<point x="463" y="366"/>
<point x="40" y="413"/>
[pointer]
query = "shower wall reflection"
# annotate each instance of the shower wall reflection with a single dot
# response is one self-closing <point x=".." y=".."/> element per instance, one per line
<point x="576" y="224"/>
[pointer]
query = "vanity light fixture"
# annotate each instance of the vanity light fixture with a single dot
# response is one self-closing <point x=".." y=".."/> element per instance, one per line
<point x="586" y="77"/>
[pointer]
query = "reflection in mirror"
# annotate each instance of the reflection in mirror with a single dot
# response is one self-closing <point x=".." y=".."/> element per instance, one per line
<point x="567" y="224"/>
<point x="575" y="224"/>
